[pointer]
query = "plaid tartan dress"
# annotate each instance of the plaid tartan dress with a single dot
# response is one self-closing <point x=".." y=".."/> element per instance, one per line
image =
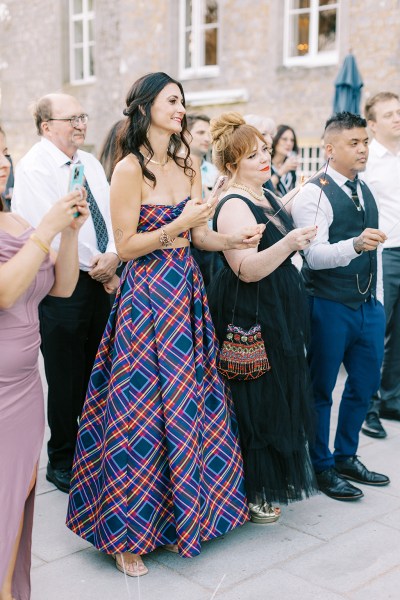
<point x="157" y="458"/>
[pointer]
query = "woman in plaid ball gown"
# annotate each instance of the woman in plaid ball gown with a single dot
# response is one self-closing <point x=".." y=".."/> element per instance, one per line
<point x="157" y="460"/>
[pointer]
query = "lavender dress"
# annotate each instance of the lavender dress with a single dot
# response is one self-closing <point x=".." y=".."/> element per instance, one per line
<point x="21" y="414"/>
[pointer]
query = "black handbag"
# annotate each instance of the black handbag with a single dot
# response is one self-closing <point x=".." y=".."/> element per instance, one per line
<point x="242" y="354"/>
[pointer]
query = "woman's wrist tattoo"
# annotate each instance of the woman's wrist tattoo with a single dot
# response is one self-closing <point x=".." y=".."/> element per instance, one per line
<point x="203" y="237"/>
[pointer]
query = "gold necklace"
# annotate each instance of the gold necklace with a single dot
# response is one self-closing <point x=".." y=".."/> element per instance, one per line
<point x="245" y="188"/>
<point x="156" y="162"/>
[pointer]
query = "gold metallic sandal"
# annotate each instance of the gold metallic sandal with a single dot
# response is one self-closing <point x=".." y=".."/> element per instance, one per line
<point x="264" y="513"/>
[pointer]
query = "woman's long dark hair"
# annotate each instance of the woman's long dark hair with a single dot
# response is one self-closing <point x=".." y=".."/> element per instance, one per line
<point x="107" y="152"/>
<point x="134" y="133"/>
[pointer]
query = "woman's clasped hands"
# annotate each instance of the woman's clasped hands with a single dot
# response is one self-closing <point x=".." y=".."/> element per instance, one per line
<point x="246" y="237"/>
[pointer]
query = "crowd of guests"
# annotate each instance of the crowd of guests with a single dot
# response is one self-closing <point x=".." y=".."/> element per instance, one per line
<point x="182" y="414"/>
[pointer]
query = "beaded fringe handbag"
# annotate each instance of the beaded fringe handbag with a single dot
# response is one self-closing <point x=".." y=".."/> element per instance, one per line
<point x="242" y="354"/>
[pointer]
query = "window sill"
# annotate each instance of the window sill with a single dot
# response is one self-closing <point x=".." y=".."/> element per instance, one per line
<point x="87" y="81"/>
<point x="215" y="97"/>
<point x="201" y="73"/>
<point x="309" y="62"/>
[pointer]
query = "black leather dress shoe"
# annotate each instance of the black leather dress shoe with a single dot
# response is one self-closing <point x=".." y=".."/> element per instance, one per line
<point x="61" y="478"/>
<point x="389" y="413"/>
<point x="373" y="427"/>
<point x="336" y="487"/>
<point x="353" y="469"/>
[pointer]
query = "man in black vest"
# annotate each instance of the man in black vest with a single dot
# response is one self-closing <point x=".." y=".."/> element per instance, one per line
<point x="347" y="320"/>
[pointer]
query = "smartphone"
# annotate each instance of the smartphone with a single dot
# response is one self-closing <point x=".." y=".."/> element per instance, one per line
<point x="76" y="180"/>
<point x="218" y="185"/>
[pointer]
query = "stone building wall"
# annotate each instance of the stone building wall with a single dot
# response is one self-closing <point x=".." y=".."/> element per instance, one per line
<point x="138" y="36"/>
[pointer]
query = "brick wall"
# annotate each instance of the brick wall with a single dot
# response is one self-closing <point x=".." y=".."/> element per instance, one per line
<point x="135" y="37"/>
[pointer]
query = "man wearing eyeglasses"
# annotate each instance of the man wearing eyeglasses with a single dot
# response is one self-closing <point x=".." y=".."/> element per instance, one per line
<point x="71" y="328"/>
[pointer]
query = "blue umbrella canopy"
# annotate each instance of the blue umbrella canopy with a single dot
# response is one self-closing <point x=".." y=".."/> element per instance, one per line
<point x="348" y="87"/>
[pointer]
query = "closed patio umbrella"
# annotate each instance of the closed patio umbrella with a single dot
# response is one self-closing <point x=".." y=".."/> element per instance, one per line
<point x="348" y="87"/>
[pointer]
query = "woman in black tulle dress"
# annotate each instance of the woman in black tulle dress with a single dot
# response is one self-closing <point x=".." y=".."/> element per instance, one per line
<point x="274" y="411"/>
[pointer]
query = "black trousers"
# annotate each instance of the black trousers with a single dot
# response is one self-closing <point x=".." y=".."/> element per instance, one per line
<point x="389" y="393"/>
<point x="71" y="330"/>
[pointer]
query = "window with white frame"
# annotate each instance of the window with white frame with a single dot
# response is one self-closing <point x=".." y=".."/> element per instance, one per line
<point x="81" y="38"/>
<point x="199" y="29"/>
<point x="311" y="32"/>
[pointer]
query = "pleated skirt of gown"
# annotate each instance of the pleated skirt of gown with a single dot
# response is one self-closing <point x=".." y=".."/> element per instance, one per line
<point x="157" y="459"/>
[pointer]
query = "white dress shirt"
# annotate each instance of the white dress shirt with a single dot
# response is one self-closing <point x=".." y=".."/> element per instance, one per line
<point x="42" y="178"/>
<point x="209" y="173"/>
<point x="321" y="254"/>
<point x="383" y="177"/>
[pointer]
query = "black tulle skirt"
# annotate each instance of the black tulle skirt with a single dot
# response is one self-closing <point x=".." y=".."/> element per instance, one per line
<point x="275" y="411"/>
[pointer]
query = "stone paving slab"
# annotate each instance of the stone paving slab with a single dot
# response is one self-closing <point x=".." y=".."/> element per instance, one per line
<point x="326" y="518"/>
<point x="392" y="519"/>
<point x="51" y="538"/>
<point x="245" y="552"/>
<point x="43" y="486"/>
<point x="277" y="584"/>
<point x="321" y="549"/>
<point x="90" y="575"/>
<point x="350" y="560"/>
<point x="385" y="587"/>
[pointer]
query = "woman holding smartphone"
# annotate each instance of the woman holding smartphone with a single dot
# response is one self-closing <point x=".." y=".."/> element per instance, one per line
<point x="28" y="272"/>
<point x="157" y="460"/>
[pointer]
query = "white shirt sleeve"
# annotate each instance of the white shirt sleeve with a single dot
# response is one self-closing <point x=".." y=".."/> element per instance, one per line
<point x="311" y="206"/>
<point x="35" y="191"/>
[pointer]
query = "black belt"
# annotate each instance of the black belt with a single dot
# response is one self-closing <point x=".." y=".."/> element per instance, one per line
<point x="396" y="249"/>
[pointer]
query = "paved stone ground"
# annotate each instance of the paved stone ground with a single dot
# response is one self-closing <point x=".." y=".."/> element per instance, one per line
<point x="320" y="549"/>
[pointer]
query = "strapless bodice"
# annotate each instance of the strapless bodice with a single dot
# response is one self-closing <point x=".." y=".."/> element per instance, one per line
<point x="154" y="216"/>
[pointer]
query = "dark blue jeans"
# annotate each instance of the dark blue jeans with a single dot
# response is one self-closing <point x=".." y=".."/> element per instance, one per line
<point x="355" y="338"/>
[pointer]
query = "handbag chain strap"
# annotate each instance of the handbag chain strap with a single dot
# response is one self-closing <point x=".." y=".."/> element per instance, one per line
<point x="236" y="297"/>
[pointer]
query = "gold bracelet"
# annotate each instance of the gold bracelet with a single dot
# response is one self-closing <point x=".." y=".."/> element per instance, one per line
<point x="165" y="239"/>
<point x="39" y="243"/>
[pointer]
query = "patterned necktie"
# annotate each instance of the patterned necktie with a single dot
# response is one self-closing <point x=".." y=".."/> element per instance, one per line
<point x="100" y="227"/>
<point x="352" y="185"/>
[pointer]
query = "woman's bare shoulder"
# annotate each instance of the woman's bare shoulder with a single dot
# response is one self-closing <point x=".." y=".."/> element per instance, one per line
<point x="128" y="166"/>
